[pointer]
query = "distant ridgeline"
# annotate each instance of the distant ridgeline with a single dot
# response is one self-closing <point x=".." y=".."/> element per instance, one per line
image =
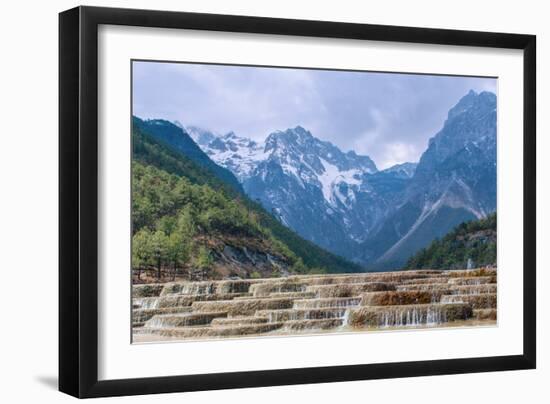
<point x="191" y="216"/>
<point x="470" y="244"/>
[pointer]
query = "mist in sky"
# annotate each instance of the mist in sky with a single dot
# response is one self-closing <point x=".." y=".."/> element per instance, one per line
<point x="387" y="116"/>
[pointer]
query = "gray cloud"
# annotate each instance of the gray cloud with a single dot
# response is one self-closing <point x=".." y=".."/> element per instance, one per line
<point x="388" y="116"/>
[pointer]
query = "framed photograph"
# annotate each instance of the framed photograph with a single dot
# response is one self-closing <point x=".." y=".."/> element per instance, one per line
<point x="251" y="201"/>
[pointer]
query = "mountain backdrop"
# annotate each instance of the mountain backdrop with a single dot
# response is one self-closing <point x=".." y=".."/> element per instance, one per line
<point x="191" y="216"/>
<point x="341" y="201"/>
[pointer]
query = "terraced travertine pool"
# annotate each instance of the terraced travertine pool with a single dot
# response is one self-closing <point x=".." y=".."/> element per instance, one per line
<point x="309" y="304"/>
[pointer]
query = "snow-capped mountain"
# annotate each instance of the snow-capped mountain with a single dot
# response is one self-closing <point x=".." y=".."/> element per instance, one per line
<point x="312" y="186"/>
<point x="316" y="189"/>
<point x="342" y="202"/>
<point x="296" y="151"/>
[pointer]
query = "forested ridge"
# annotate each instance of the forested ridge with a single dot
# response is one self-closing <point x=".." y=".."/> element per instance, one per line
<point x="185" y="220"/>
<point x="471" y="243"/>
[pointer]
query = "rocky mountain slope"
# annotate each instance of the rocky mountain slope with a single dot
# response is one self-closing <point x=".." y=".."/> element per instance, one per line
<point x="455" y="181"/>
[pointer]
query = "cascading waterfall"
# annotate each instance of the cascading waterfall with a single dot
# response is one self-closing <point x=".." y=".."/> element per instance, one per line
<point x="435" y="317"/>
<point x="408" y="318"/>
<point x="146" y="302"/>
<point x="302" y="304"/>
<point x="409" y="315"/>
<point x="197" y="288"/>
<point x="345" y="319"/>
<point x="327" y="303"/>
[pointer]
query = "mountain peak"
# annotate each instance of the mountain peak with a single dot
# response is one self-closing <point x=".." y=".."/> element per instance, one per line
<point x="482" y="102"/>
<point x="230" y="135"/>
<point x="291" y="135"/>
<point x="471" y="121"/>
<point x="301" y="131"/>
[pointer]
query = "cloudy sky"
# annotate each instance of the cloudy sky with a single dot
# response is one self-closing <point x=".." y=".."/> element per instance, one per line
<point x="389" y="117"/>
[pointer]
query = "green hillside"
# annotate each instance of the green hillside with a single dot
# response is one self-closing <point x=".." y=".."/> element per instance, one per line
<point x="181" y="227"/>
<point x="175" y="197"/>
<point x="473" y="241"/>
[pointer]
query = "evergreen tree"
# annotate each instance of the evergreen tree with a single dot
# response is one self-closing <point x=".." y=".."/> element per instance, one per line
<point x="204" y="261"/>
<point x="142" y="250"/>
<point x="160" y="245"/>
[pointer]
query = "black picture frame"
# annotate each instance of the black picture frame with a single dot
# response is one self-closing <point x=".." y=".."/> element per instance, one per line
<point x="78" y="201"/>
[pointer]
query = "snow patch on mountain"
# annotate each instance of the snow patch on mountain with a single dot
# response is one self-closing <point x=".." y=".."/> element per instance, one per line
<point x="332" y="176"/>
